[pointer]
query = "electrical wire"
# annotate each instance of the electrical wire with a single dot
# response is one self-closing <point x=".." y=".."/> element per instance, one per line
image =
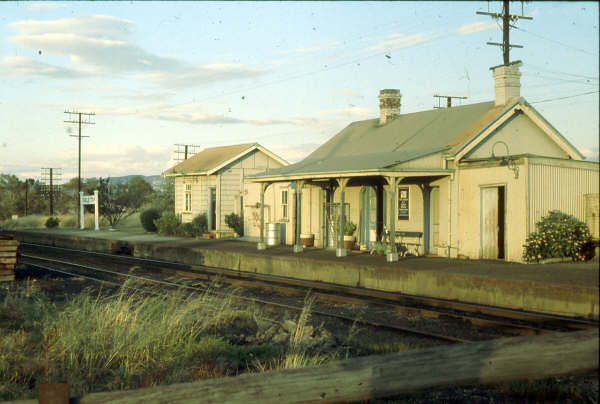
<point x="557" y="42"/>
<point x="564" y="98"/>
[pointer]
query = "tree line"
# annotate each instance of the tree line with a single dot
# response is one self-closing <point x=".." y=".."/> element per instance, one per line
<point x="117" y="200"/>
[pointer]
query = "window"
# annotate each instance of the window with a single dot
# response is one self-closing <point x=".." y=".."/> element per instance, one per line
<point x="403" y="203"/>
<point x="284" y="203"/>
<point x="188" y="197"/>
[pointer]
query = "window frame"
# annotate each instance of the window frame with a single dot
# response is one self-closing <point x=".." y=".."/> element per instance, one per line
<point x="187" y="201"/>
<point x="284" y="209"/>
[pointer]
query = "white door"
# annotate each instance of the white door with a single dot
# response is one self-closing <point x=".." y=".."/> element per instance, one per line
<point x="489" y="223"/>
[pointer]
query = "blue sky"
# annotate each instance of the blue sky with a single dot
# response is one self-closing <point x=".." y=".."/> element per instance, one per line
<point x="287" y="75"/>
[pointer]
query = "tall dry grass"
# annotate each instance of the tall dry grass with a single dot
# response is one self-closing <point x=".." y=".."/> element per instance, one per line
<point x="100" y="342"/>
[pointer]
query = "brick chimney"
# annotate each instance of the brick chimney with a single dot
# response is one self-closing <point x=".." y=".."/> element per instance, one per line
<point x="389" y="105"/>
<point x="507" y="82"/>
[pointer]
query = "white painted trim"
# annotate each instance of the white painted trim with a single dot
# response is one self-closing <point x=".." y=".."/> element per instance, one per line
<point x="535" y="117"/>
<point x="255" y="146"/>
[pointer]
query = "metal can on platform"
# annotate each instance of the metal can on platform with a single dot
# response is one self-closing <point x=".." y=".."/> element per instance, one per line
<point x="272" y="233"/>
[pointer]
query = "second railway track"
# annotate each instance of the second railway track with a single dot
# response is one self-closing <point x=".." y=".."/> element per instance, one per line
<point x="510" y="321"/>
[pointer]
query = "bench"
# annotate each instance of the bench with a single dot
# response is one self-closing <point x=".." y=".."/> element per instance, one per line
<point x="414" y="240"/>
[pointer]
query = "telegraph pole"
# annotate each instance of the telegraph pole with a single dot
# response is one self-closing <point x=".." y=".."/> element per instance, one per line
<point x="87" y="121"/>
<point x="448" y="100"/>
<point x="48" y="177"/>
<point x="507" y="18"/>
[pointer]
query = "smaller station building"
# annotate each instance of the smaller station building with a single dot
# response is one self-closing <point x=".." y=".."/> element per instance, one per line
<point x="212" y="181"/>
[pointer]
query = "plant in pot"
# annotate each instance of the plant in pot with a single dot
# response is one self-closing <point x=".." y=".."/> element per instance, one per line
<point x="349" y="229"/>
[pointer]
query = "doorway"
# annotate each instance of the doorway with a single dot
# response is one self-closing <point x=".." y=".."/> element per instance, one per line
<point x="212" y="208"/>
<point x="434" y="214"/>
<point x="493" y="217"/>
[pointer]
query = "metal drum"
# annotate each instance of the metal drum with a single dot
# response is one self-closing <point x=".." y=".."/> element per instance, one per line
<point x="272" y="233"/>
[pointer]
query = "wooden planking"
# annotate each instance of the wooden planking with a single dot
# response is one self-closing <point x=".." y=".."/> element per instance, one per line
<point x="12" y="260"/>
<point x="485" y="362"/>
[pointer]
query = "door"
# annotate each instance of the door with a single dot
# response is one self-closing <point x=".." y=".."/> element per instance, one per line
<point x="212" y="208"/>
<point x="434" y="203"/>
<point x="492" y="222"/>
<point x="368" y="217"/>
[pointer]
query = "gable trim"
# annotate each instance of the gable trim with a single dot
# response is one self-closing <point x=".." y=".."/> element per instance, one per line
<point x="520" y="106"/>
<point x="255" y="146"/>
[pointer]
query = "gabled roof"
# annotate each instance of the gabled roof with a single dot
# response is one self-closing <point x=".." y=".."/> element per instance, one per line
<point x="212" y="159"/>
<point x="367" y="145"/>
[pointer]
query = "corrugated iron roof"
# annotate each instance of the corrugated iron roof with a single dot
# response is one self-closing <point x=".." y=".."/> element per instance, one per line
<point x="367" y="145"/>
<point x="208" y="158"/>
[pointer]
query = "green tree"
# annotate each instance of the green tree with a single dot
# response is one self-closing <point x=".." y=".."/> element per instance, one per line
<point x="117" y="201"/>
<point x="163" y="199"/>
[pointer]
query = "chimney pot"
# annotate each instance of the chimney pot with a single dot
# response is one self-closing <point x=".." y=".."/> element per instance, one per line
<point x="389" y="105"/>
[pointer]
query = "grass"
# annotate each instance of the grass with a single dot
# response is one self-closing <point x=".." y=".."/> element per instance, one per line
<point x="69" y="221"/>
<point x="100" y="342"/>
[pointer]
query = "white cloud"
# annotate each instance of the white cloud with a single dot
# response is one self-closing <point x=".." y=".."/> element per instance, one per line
<point x="21" y="65"/>
<point x="45" y="5"/>
<point x="101" y="44"/>
<point x="396" y="41"/>
<point x="102" y="160"/>
<point x="293" y="153"/>
<point x="352" y="112"/>
<point x="201" y="75"/>
<point x="476" y="27"/>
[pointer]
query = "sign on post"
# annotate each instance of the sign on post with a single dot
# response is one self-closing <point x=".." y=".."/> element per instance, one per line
<point x="89" y="200"/>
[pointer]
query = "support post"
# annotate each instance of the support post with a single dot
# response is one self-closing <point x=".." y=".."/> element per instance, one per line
<point x="340" y="251"/>
<point x="392" y="254"/>
<point x="261" y="244"/>
<point x="298" y="222"/>
<point x="426" y="192"/>
<point x="96" y="210"/>
<point x="81" y="205"/>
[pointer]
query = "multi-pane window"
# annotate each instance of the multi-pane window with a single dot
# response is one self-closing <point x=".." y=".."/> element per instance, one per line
<point x="284" y="203"/>
<point x="188" y="197"/>
<point x="403" y="203"/>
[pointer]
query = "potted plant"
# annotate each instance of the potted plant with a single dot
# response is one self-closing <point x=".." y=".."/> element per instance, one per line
<point x="349" y="229"/>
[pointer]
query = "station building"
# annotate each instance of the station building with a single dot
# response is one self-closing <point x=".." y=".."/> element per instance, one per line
<point x="212" y="181"/>
<point x="468" y="180"/>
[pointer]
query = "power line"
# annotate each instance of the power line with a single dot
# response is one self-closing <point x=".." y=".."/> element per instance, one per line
<point x="87" y="120"/>
<point x="557" y="42"/>
<point x="564" y="98"/>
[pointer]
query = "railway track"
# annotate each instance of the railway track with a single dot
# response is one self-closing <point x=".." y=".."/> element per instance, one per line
<point x="511" y="321"/>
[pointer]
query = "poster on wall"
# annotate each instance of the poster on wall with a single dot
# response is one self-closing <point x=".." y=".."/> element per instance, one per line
<point x="403" y="203"/>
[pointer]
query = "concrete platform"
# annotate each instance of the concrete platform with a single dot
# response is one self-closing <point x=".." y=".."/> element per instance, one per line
<point x="569" y="289"/>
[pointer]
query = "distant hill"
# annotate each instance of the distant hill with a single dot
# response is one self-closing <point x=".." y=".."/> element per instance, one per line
<point x="155" y="180"/>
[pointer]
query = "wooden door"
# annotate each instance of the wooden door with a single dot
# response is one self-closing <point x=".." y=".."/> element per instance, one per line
<point x="434" y="202"/>
<point x="489" y="223"/>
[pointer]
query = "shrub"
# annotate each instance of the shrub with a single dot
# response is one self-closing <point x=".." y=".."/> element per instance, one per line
<point x="52" y="222"/>
<point x="169" y="224"/>
<point x="147" y="219"/>
<point x="349" y="228"/>
<point x="235" y="222"/>
<point x="200" y="224"/>
<point x="558" y="235"/>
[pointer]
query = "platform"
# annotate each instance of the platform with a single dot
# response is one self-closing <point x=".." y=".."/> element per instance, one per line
<point x="569" y="289"/>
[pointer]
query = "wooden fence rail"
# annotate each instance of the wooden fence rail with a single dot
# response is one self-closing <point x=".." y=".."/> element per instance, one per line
<point x="369" y="377"/>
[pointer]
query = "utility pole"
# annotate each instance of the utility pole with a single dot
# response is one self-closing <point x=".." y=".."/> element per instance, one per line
<point x="188" y="150"/>
<point x="507" y="18"/>
<point x="49" y="187"/>
<point x="448" y="100"/>
<point x="87" y="121"/>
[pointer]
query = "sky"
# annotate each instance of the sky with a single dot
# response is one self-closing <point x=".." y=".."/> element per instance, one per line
<point x="288" y="75"/>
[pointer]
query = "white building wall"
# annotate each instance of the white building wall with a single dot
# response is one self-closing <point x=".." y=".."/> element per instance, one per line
<point x="560" y="185"/>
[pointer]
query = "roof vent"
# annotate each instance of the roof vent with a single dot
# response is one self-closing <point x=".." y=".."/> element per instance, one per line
<point x="389" y="105"/>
